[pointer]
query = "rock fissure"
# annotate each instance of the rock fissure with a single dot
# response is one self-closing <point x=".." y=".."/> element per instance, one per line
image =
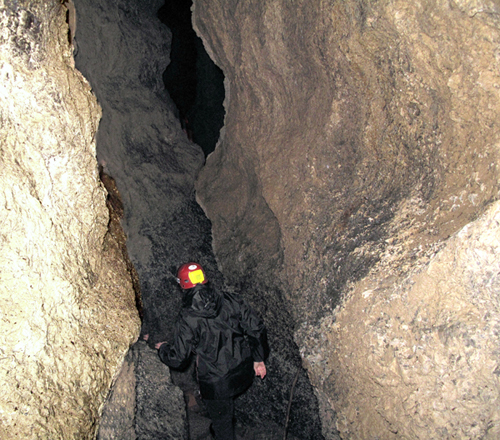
<point x="165" y="226"/>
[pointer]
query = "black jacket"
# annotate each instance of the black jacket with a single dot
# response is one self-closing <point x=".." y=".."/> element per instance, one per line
<point x="227" y="337"/>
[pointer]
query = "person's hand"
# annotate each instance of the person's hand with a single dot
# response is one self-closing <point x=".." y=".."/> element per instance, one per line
<point x="260" y="369"/>
<point x="159" y="344"/>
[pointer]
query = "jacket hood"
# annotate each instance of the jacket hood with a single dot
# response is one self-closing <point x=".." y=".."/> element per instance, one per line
<point x="206" y="302"/>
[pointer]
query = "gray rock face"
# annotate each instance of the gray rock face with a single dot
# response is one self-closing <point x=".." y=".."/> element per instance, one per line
<point x="68" y="311"/>
<point x="361" y="138"/>
<point x="160" y="413"/>
<point x="143" y="403"/>
<point x="122" y="51"/>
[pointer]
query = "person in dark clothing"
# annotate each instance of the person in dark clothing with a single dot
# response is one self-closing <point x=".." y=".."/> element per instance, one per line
<point x="229" y="340"/>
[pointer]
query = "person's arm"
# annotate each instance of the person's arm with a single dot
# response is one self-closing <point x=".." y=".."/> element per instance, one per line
<point x="256" y="331"/>
<point x="175" y="355"/>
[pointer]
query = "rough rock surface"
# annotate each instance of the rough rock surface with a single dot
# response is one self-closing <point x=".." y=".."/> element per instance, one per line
<point x="123" y="51"/>
<point x="429" y="345"/>
<point x="141" y="405"/>
<point x="361" y="140"/>
<point x="68" y="312"/>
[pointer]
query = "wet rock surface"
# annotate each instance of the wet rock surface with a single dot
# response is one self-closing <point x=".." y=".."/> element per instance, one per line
<point x="360" y="139"/>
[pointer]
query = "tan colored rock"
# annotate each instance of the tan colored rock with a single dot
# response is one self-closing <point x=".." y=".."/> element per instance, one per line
<point x="418" y="357"/>
<point x="360" y="139"/>
<point x="67" y="304"/>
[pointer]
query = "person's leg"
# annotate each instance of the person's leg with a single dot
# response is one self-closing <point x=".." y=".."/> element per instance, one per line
<point x="221" y="413"/>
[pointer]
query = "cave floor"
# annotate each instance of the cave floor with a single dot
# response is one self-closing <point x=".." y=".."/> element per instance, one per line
<point x="199" y="423"/>
<point x="199" y="429"/>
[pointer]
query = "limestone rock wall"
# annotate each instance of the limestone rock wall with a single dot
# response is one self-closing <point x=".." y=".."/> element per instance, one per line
<point x="68" y="312"/>
<point x="418" y="357"/>
<point x="358" y="176"/>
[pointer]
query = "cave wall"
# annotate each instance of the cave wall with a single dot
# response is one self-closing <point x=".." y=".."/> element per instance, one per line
<point x="358" y="177"/>
<point x="68" y="311"/>
<point x="123" y="49"/>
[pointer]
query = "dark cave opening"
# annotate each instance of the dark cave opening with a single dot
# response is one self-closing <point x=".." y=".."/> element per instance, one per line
<point x="194" y="82"/>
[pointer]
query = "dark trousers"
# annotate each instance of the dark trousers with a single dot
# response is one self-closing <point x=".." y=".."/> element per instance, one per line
<point x="221" y="413"/>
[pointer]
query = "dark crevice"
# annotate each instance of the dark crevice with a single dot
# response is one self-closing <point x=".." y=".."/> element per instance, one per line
<point x="193" y="81"/>
<point x="115" y="207"/>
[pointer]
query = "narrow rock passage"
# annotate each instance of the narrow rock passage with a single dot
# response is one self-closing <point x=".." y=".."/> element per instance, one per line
<point x="123" y="50"/>
<point x="353" y="201"/>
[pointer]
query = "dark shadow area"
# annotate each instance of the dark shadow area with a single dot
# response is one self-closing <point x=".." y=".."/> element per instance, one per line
<point x="194" y="82"/>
